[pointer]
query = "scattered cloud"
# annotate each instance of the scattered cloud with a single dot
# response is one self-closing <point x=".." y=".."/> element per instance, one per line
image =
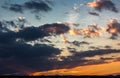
<point x="34" y="6"/>
<point x="36" y="58"/>
<point x="113" y="27"/>
<point x="99" y="5"/>
<point x="14" y="37"/>
<point x="91" y="31"/>
<point x="94" y="13"/>
<point x="108" y="47"/>
<point x="77" y="43"/>
<point x="55" y="28"/>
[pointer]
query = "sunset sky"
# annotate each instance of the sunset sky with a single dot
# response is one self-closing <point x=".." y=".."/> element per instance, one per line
<point x="42" y="37"/>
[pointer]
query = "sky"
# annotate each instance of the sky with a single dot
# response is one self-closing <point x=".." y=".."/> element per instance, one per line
<point x="41" y="37"/>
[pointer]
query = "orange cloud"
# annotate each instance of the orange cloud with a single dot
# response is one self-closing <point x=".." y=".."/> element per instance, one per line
<point x="89" y="33"/>
<point x="93" y="4"/>
<point x="64" y="39"/>
<point x="113" y="27"/>
<point x="102" y="4"/>
<point x="73" y="32"/>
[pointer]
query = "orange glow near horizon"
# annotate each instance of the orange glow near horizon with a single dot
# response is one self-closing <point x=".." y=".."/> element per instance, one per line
<point x="98" y="69"/>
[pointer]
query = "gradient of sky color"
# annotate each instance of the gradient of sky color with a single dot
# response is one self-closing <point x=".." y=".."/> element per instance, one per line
<point x="61" y="11"/>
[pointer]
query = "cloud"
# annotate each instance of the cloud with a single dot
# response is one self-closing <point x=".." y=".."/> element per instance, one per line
<point x="14" y="54"/>
<point x="91" y="31"/>
<point x="78" y="58"/>
<point x="37" y="6"/>
<point x="94" y="13"/>
<point x="23" y="50"/>
<point x="37" y="17"/>
<point x="30" y="58"/>
<point x="93" y="47"/>
<point x="7" y="37"/>
<point x="55" y="28"/>
<point x="33" y="6"/>
<point x="25" y="57"/>
<point x="31" y="33"/>
<point x="113" y="27"/>
<point x="12" y="25"/>
<point x="16" y="8"/>
<point x="77" y="43"/>
<point x="91" y="53"/>
<point x="108" y="47"/>
<point x="17" y="53"/>
<point x="99" y="5"/>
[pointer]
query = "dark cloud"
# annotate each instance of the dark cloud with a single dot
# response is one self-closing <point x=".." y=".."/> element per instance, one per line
<point x="108" y="47"/>
<point x="93" y="47"/>
<point x="113" y="37"/>
<point x="37" y="6"/>
<point x="31" y="33"/>
<point x="35" y="58"/>
<point x="94" y="13"/>
<point x="107" y="4"/>
<point x="99" y="5"/>
<point x="33" y="6"/>
<point x="6" y="38"/>
<point x="77" y="58"/>
<point x="91" y="53"/>
<point x="14" y="54"/>
<point x="18" y="50"/>
<point x="77" y="43"/>
<point x="113" y="27"/>
<point x="16" y="8"/>
<point x="55" y="28"/>
<point x="37" y="17"/>
<point x="19" y="55"/>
